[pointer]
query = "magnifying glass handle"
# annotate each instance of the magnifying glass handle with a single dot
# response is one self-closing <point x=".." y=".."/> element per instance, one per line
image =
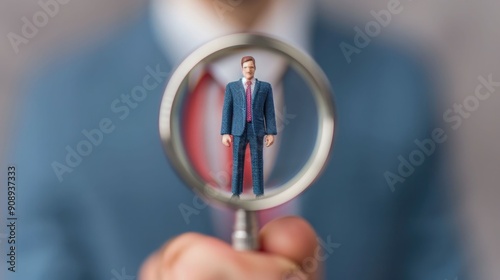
<point x="245" y="234"/>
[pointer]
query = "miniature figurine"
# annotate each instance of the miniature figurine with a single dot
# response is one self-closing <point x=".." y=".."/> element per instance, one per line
<point x="248" y="116"/>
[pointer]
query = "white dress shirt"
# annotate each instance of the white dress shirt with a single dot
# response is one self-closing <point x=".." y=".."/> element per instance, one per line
<point x="252" y="86"/>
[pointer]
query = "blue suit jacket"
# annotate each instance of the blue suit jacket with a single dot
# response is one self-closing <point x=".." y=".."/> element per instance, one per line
<point x="123" y="201"/>
<point x="234" y="110"/>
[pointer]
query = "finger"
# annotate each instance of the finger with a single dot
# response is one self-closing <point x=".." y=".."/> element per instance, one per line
<point x="150" y="268"/>
<point x="198" y="257"/>
<point x="294" y="239"/>
<point x="269" y="140"/>
<point x="269" y="143"/>
<point x="226" y="142"/>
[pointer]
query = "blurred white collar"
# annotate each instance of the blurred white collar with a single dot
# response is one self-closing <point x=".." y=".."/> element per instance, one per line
<point x="183" y="25"/>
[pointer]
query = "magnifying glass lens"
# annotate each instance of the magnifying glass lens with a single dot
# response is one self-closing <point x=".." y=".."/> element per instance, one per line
<point x="201" y="115"/>
<point x="281" y="151"/>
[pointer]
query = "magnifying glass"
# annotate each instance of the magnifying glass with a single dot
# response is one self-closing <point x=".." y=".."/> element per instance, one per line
<point x="170" y="126"/>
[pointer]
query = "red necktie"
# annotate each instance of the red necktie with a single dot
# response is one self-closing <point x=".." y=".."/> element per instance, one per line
<point x="199" y="132"/>
<point x="249" y="100"/>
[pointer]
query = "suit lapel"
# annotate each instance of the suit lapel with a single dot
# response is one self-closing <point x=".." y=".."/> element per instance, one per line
<point x="240" y="88"/>
<point x="256" y="91"/>
<point x="241" y="91"/>
<point x="257" y="86"/>
<point x="238" y="92"/>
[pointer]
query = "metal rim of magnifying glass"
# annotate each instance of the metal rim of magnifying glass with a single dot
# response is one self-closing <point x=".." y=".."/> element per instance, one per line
<point x="170" y="130"/>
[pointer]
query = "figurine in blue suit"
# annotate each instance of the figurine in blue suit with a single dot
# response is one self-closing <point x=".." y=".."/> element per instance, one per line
<point x="248" y="115"/>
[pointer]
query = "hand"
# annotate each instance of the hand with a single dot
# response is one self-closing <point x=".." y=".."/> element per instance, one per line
<point x="286" y="244"/>
<point x="269" y="140"/>
<point x="226" y="140"/>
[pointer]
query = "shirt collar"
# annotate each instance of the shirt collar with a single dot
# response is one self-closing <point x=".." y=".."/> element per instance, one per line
<point x="182" y="26"/>
<point x="244" y="80"/>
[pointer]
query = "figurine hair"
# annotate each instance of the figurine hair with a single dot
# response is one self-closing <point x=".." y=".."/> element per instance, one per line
<point x="247" y="58"/>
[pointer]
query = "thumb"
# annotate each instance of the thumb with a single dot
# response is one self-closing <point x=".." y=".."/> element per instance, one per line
<point x="294" y="239"/>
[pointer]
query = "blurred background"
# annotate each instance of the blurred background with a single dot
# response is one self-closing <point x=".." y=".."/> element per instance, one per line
<point x="460" y="39"/>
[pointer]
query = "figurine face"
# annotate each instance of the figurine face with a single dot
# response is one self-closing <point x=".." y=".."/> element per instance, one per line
<point x="248" y="70"/>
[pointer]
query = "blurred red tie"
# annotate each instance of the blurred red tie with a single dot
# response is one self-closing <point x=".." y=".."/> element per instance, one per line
<point x="201" y="126"/>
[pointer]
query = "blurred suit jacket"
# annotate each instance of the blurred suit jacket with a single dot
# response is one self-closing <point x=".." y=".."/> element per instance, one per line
<point x="122" y="201"/>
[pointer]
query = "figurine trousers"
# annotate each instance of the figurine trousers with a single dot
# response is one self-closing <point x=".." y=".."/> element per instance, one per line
<point x="239" y="147"/>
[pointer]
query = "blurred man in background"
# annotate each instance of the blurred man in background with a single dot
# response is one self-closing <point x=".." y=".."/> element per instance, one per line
<point x="96" y="208"/>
